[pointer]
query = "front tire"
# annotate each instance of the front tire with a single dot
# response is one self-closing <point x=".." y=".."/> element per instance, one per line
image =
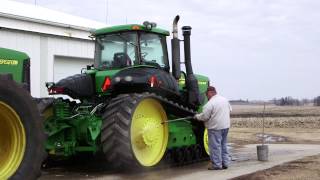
<point x="134" y="132"/>
<point x="21" y="133"/>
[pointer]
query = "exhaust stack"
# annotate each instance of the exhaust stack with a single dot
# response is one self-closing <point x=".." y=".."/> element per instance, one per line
<point x="191" y="80"/>
<point x="175" y="45"/>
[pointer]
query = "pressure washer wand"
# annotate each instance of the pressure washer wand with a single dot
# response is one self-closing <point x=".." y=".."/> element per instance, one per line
<point x="179" y="119"/>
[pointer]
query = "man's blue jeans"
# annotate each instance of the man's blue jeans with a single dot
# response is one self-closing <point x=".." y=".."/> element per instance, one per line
<point x="219" y="154"/>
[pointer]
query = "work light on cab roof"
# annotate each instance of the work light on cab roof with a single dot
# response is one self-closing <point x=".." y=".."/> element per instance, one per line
<point x="149" y="25"/>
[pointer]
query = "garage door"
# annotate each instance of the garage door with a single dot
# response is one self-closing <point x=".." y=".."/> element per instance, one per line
<point x="67" y="66"/>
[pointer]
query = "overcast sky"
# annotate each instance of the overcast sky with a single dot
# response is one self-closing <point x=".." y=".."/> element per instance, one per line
<point x="250" y="49"/>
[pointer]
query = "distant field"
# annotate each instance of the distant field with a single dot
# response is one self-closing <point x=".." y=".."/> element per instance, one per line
<point x="250" y="116"/>
<point x="297" y="124"/>
<point x="272" y="110"/>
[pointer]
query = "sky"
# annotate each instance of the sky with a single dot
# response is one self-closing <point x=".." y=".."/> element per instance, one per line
<point x="250" y="49"/>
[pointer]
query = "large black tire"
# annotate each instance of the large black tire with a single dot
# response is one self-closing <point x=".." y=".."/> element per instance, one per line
<point x="45" y="107"/>
<point x="18" y="99"/>
<point x="116" y="135"/>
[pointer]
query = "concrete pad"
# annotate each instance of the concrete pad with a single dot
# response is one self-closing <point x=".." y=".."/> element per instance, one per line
<point x="247" y="162"/>
<point x="244" y="162"/>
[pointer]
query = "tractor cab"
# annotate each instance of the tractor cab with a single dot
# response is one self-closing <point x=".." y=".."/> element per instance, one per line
<point x="131" y="45"/>
<point x="134" y="59"/>
<point x="144" y="46"/>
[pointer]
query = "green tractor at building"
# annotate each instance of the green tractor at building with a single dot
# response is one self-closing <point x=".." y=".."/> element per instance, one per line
<point x="22" y="136"/>
<point x="130" y="108"/>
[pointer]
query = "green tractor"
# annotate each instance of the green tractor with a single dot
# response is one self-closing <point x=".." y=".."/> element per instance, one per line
<point x="130" y="108"/>
<point x="22" y="136"/>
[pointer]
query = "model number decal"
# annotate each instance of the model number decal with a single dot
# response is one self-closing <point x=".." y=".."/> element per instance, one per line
<point x="9" y="62"/>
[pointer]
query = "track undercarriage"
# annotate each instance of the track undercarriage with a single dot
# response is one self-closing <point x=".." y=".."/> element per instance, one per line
<point x="112" y="129"/>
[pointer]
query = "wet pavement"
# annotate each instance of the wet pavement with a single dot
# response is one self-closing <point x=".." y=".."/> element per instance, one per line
<point x="270" y="138"/>
<point x="244" y="161"/>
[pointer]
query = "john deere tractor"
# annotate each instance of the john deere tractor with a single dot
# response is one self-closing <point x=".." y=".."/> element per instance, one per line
<point x="131" y="106"/>
<point x="21" y="129"/>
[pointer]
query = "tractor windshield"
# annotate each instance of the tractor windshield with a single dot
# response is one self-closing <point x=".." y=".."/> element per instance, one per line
<point x="153" y="50"/>
<point x="116" y="50"/>
<point x="131" y="48"/>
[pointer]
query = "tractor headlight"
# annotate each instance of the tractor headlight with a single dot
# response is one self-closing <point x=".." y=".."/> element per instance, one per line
<point x="128" y="78"/>
<point x="117" y="79"/>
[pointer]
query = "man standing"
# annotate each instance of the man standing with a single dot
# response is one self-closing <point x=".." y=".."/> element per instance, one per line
<point x="216" y="117"/>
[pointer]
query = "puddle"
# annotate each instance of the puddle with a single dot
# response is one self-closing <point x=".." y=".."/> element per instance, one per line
<point x="270" y="138"/>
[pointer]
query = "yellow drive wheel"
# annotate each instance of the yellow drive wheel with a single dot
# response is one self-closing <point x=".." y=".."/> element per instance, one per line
<point x="12" y="141"/>
<point x="205" y="141"/>
<point x="134" y="133"/>
<point x="149" y="133"/>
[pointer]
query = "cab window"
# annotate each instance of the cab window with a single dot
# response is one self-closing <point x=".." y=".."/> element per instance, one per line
<point x="153" y="50"/>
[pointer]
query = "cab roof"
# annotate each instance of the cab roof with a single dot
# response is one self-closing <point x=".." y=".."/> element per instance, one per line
<point x="129" y="27"/>
<point x="12" y="54"/>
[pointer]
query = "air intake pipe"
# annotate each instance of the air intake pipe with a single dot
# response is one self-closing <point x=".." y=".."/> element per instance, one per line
<point x="175" y="46"/>
<point x="191" y="80"/>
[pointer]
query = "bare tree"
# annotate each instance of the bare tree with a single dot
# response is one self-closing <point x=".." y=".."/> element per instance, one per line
<point x="317" y="101"/>
<point x="287" y="101"/>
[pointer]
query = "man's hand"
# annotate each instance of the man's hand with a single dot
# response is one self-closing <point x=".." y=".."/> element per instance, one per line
<point x="195" y="117"/>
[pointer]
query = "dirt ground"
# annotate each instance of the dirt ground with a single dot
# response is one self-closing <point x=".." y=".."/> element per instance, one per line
<point x="306" y="168"/>
<point x="289" y="125"/>
<point x="241" y="136"/>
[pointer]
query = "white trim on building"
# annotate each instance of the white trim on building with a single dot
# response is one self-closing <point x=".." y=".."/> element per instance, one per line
<point x="45" y="16"/>
<point x="49" y="37"/>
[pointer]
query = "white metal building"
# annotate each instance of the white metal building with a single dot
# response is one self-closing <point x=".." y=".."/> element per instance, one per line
<point x="57" y="43"/>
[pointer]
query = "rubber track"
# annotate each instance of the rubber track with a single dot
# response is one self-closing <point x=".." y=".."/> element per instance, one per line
<point x="115" y="135"/>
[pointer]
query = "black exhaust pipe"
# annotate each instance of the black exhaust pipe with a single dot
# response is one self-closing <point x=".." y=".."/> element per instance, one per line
<point x="191" y="80"/>
<point x="175" y="46"/>
<point x="187" y="51"/>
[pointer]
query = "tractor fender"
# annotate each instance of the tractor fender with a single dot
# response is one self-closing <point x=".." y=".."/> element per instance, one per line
<point x="78" y="86"/>
<point x="138" y="79"/>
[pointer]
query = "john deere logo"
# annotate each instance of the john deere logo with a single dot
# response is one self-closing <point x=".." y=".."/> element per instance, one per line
<point x="8" y="62"/>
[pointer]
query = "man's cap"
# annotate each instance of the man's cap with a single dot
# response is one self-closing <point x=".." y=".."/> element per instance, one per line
<point x="211" y="88"/>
